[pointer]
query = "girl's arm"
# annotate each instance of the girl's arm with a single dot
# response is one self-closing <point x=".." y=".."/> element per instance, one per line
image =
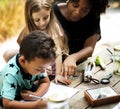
<point x="59" y="73"/>
<point x="58" y="63"/>
<point x="88" y="49"/>
<point x="39" y="104"/>
<point x="69" y="64"/>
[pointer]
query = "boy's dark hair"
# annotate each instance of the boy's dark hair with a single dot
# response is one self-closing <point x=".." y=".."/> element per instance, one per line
<point x="37" y="44"/>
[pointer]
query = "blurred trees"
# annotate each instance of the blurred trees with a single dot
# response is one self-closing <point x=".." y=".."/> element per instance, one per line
<point x="115" y="3"/>
<point x="11" y="18"/>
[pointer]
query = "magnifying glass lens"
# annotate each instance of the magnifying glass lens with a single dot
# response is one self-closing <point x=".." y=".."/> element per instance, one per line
<point x="105" y="81"/>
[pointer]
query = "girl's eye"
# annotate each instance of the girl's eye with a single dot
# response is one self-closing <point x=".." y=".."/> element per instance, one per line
<point x="36" y="20"/>
<point x="86" y="10"/>
<point x="45" y="18"/>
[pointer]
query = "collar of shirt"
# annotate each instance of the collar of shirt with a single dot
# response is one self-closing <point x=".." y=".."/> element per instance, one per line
<point x="25" y="75"/>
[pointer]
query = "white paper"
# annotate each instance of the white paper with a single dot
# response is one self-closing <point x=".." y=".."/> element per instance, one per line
<point x="62" y="89"/>
<point x="68" y="91"/>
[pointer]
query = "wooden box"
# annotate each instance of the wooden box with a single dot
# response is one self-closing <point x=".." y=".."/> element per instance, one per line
<point x="100" y="96"/>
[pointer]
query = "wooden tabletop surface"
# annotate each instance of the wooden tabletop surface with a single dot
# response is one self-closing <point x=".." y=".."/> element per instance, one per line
<point x="78" y="101"/>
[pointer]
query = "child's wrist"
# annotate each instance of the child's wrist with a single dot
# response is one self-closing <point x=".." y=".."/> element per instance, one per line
<point x="64" y="56"/>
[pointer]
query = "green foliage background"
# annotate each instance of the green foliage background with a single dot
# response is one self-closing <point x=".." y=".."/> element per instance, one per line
<point x="11" y="18"/>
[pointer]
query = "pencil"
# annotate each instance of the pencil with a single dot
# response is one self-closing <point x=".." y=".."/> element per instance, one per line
<point x="109" y="51"/>
<point x="34" y="96"/>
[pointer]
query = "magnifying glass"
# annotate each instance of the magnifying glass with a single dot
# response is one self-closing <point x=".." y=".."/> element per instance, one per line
<point x="106" y="80"/>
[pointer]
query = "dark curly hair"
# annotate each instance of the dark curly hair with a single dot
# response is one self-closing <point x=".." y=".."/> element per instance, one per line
<point x="98" y="6"/>
<point x="37" y="44"/>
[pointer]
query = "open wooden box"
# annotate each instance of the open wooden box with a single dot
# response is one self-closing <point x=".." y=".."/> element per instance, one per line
<point x="100" y="96"/>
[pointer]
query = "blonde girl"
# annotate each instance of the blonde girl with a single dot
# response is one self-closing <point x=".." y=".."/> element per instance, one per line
<point x="40" y="16"/>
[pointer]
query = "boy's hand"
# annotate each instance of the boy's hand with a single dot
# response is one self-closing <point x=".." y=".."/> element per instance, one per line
<point x="25" y="95"/>
<point x="41" y="104"/>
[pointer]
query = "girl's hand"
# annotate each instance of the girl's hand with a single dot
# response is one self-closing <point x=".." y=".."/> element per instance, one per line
<point x="41" y="104"/>
<point x="61" y="79"/>
<point x="69" y="66"/>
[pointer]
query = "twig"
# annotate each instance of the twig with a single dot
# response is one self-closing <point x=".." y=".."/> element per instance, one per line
<point x="109" y="51"/>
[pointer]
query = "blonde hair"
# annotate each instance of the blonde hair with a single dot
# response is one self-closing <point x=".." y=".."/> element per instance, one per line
<point x="54" y="28"/>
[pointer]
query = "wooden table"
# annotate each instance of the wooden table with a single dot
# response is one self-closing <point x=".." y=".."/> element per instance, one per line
<point x="78" y="101"/>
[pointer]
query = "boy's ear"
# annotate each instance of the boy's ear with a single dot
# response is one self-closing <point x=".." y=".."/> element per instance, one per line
<point x="22" y="59"/>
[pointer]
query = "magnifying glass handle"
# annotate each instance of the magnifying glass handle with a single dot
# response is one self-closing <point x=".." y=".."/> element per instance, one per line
<point x="108" y="76"/>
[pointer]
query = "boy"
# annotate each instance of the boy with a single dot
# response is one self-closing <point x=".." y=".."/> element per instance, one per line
<point x="17" y="79"/>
